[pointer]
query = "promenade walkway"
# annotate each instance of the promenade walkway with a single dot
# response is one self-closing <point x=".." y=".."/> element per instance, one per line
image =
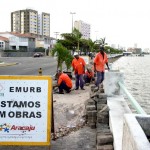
<point x="69" y="112"/>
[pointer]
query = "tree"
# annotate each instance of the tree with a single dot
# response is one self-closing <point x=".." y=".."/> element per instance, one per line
<point x="101" y="41"/>
<point x="77" y="34"/>
<point x="63" y="55"/>
<point x="111" y="50"/>
<point x="58" y="51"/>
<point x="68" y="60"/>
<point x="71" y="40"/>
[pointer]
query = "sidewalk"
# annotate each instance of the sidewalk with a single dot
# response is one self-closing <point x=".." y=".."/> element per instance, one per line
<point x="69" y="112"/>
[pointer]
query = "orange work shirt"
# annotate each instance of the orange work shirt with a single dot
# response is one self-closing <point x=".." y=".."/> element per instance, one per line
<point x="78" y="65"/>
<point x="89" y="74"/>
<point x="64" y="77"/>
<point x="100" y="61"/>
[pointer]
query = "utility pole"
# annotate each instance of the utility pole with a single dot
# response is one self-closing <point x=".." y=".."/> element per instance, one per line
<point x="72" y="13"/>
<point x="56" y="33"/>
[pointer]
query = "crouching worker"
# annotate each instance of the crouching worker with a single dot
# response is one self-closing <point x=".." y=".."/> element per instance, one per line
<point x="89" y="76"/>
<point x="64" y="82"/>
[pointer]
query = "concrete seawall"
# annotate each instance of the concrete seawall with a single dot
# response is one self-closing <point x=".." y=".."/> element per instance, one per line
<point x="130" y="131"/>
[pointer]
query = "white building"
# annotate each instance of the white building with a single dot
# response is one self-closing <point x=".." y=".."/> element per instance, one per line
<point x="4" y="43"/>
<point x="18" y="41"/>
<point x="84" y="28"/>
<point x="44" y="24"/>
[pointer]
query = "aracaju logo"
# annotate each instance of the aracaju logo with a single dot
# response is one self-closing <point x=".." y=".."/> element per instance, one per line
<point x="1" y="88"/>
<point x="7" y="128"/>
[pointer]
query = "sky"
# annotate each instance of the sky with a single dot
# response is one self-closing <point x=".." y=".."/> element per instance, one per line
<point x="123" y="23"/>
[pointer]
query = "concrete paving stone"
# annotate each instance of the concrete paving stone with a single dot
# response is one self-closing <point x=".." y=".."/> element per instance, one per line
<point x="100" y="106"/>
<point x="101" y="90"/>
<point x="90" y="102"/>
<point x="105" y="147"/>
<point x="91" y="113"/>
<point x="100" y="101"/>
<point x="95" y="90"/>
<point x="94" y="94"/>
<point x="103" y="139"/>
<point x="92" y="119"/>
<point x="90" y="107"/>
<point x="102" y="114"/>
<point x="105" y="109"/>
<point x="101" y="131"/>
<point x="102" y="126"/>
<point x="102" y="96"/>
<point x="92" y="125"/>
<point x="103" y="120"/>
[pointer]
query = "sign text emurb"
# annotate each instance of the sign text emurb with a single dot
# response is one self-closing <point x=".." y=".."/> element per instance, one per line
<point x="25" y="110"/>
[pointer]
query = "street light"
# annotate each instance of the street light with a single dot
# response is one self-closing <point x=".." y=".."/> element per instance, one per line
<point x="96" y="35"/>
<point x="56" y="33"/>
<point x="72" y="13"/>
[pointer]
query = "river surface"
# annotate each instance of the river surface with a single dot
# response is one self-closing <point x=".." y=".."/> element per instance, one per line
<point x="136" y="77"/>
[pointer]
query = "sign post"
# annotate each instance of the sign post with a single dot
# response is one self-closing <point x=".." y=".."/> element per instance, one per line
<point x="25" y="110"/>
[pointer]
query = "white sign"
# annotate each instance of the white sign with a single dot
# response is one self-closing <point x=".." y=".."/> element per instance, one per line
<point x="25" y="105"/>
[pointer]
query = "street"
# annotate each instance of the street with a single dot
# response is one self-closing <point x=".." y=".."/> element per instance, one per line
<point x="29" y="66"/>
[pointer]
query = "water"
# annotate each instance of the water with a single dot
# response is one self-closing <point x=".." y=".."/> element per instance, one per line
<point x="136" y="77"/>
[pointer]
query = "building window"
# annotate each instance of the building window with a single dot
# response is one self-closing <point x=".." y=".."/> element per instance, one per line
<point x="1" y="44"/>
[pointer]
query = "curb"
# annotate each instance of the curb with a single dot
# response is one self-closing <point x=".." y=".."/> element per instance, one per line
<point x="7" y="64"/>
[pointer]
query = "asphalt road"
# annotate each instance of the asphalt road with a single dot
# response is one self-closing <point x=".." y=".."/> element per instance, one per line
<point x="29" y="66"/>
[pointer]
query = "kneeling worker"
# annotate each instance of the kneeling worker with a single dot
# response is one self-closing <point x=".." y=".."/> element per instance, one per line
<point x="64" y="82"/>
<point x="89" y="76"/>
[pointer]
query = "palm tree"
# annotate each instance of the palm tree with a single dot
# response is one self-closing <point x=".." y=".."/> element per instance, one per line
<point x="77" y="35"/>
<point x="58" y="51"/>
<point x="101" y="41"/>
<point x="63" y="55"/>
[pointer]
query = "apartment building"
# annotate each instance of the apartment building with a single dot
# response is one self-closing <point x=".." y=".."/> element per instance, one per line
<point x="44" y="24"/>
<point x="29" y="21"/>
<point x="24" y="21"/>
<point x="84" y="28"/>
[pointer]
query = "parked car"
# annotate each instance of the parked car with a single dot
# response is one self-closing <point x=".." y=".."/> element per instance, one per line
<point x="39" y="54"/>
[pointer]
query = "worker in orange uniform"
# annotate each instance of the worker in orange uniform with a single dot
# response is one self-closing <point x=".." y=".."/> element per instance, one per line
<point x="78" y="65"/>
<point x="89" y="76"/>
<point x="64" y="82"/>
<point x="99" y="65"/>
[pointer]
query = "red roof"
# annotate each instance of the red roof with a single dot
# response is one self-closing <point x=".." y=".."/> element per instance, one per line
<point x="28" y="35"/>
<point x="4" y="39"/>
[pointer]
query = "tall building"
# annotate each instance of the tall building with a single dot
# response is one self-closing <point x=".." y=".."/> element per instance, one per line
<point x="44" y="24"/>
<point x="84" y="28"/>
<point x="24" y="21"/>
<point x="28" y="21"/>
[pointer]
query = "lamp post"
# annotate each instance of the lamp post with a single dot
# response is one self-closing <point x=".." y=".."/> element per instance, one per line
<point x="96" y="35"/>
<point x="56" y="33"/>
<point x="72" y="13"/>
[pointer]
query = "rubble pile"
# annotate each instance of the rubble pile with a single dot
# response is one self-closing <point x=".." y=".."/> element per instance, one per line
<point x="68" y="118"/>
